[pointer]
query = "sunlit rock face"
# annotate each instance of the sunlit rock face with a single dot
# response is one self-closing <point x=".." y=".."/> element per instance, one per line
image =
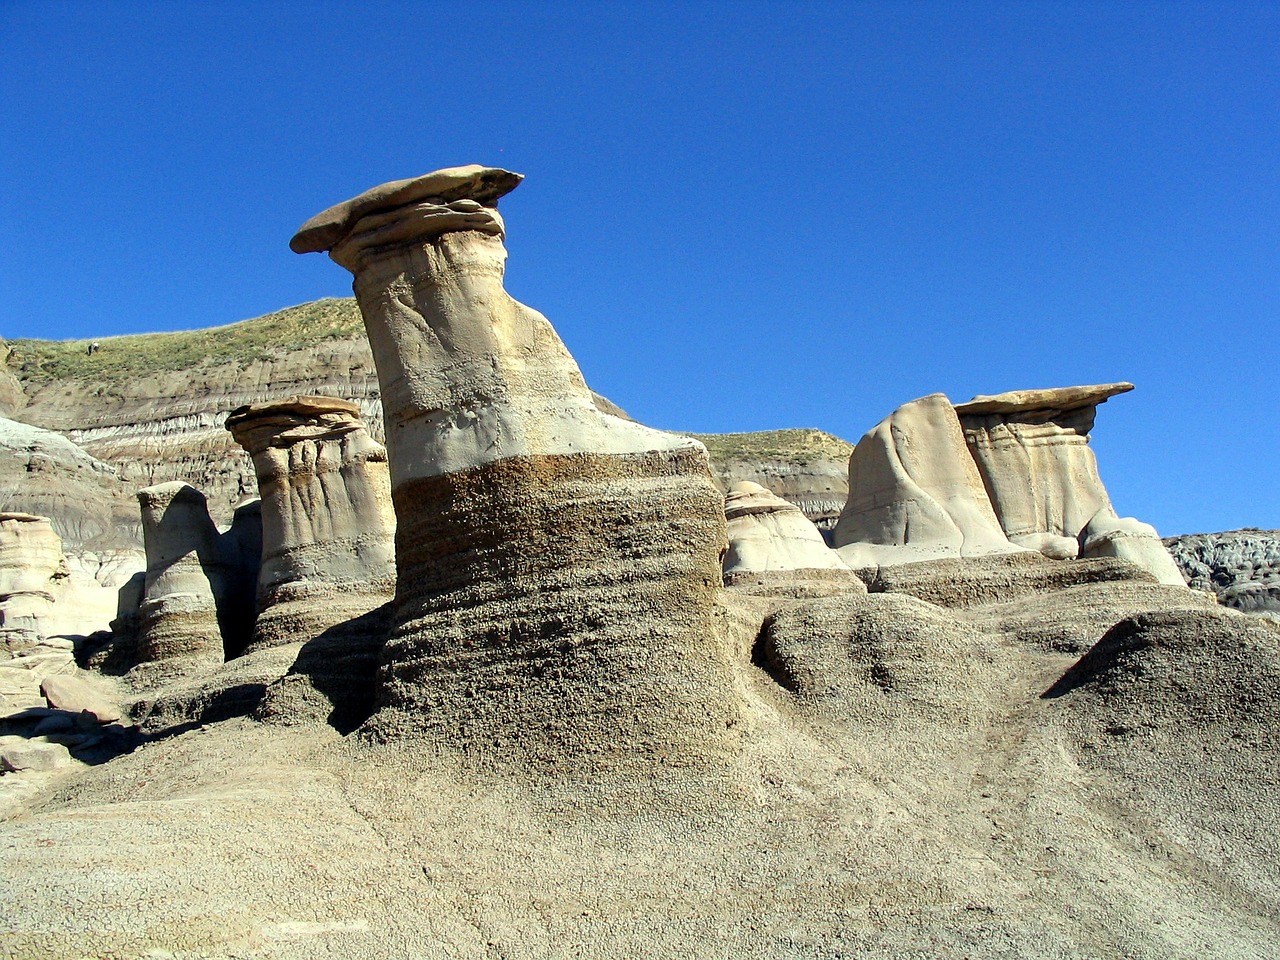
<point x="915" y="493"/>
<point x="328" y="552"/>
<point x="196" y="604"/>
<point x="557" y="566"/>
<point x="1032" y="450"/>
<point x="31" y="562"/>
<point x="766" y="533"/>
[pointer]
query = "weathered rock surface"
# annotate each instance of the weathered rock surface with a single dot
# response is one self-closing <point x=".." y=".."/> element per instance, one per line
<point x="1182" y="706"/>
<point x="1242" y="567"/>
<point x="915" y="493"/>
<point x="766" y="533"/>
<point x="328" y="553"/>
<point x="1032" y="449"/>
<point x="44" y="473"/>
<point x="197" y="601"/>
<point x="553" y="560"/>
<point x="31" y="563"/>
<point x="81" y="693"/>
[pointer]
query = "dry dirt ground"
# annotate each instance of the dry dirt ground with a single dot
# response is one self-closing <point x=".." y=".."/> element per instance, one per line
<point x="911" y="780"/>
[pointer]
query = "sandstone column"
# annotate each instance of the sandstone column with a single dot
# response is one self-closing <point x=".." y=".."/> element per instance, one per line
<point x="328" y="554"/>
<point x="1032" y="449"/>
<point x="557" y="566"/>
<point x="189" y="589"/>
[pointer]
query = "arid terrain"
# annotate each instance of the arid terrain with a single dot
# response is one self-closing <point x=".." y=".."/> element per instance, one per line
<point x="599" y="695"/>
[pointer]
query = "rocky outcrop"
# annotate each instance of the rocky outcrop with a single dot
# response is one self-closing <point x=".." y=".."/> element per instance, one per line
<point x="197" y="601"/>
<point x="44" y="473"/>
<point x="768" y="534"/>
<point x="1241" y="567"/>
<point x="554" y="562"/>
<point x="915" y="493"/>
<point x="1032" y="449"/>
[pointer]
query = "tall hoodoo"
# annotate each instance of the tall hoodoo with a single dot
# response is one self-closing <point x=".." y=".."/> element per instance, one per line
<point x="557" y="566"/>
<point x="1032" y="450"/>
<point x="328" y="554"/>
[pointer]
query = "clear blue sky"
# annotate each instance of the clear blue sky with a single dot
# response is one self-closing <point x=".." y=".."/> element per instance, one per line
<point x="739" y="216"/>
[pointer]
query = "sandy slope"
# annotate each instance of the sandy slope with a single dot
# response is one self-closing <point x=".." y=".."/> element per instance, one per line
<point x="915" y="796"/>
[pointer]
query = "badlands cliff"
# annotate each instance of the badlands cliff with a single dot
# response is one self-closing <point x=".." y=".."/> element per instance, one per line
<point x="602" y="694"/>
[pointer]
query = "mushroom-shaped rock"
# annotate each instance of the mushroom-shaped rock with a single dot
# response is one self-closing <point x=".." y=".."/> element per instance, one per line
<point x="1032" y="450"/>
<point x="915" y="493"/>
<point x="328" y="553"/>
<point x="557" y="567"/>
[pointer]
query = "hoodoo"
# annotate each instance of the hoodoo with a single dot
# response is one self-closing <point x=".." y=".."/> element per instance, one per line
<point x="914" y="492"/>
<point x="327" y="524"/>
<point x="557" y="566"/>
<point x="1032" y="449"/>
<point x="190" y="599"/>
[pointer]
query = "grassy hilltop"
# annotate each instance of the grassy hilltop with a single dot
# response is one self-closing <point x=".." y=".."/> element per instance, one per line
<point x="135" y="355"/>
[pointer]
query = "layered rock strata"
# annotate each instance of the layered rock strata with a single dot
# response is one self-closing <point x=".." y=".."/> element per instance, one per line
<point x="915" y="493"/>
<point x="1032" y="450"/>
<point x="195" y="604"/>
<point x="44" y="473"/>
<point x="328" y="552"/>
<point x="557" y="566"/>
<point x="31" y="561"/>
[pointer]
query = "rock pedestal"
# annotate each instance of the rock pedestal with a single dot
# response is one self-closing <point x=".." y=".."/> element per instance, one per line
<point x="189" y="590"/>
<point x="1032" y="450"/>
<point x="557" y="566"/>
<point x="915" y="493"/>
<point x="328" y="552"/>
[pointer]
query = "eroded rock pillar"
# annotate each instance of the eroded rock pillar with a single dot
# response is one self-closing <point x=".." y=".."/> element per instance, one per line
<point x="557" y="566"/>
<point x="328" y="552"/>
<point x="188" y="587"/>
<point x="30" y="561"/>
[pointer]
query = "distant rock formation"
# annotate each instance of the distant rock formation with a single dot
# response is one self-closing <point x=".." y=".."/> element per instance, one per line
<point x="328" y="553"/>
<point x="1032" y="449"/>
<point x="806" y="467"/>
<point x="197" y="600"/>
<point x="915" y="493"/>
<point x="995" y="475"/>
<point x="1241" y="567"/>
<point x="768" y="534"/>
<point x="557" y="566"/>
